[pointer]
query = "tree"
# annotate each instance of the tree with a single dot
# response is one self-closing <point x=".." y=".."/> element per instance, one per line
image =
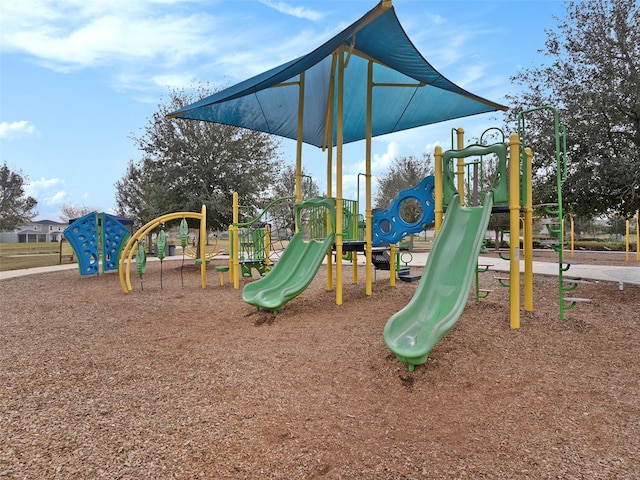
<point x="404" y="172"/>
<point x="593" y="77"/>
<point x="283" y="214"/>
<point x="69" y="211"/>
<point x="16" y="208"/>
<point x="187" y="163"/>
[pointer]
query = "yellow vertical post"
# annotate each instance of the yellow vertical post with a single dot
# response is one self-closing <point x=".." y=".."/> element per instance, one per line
<point x="514" y="230"/>
<point x="329" y="194"/>
<point x="329" y="140"/>
<point x="299" y="138"/>
<point x="627" y="237"/>
<point x="528" y="235"/>
<point x="572" y="237"/>
<point x="367" y="175"/>
<point x="439" y="210"/>
<point x="460" y="172"/>
<point x="236" y="243"/>
<point x="203" y="246"/>
<point x="392" y="262"/>
<point x="339" y="139"/>
<point x="638" y="235"/>
<point x="230" y="234"/>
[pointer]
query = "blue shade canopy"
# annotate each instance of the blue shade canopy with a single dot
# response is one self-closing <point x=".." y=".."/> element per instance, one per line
<point x="408" y="92"/>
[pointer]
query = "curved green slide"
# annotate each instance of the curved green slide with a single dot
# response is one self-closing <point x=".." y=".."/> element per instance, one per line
<point x="289" y="277"/>
<point x="444" y="287"/>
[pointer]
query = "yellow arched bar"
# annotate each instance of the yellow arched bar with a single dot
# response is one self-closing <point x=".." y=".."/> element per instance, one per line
<point x="124" y="268"/>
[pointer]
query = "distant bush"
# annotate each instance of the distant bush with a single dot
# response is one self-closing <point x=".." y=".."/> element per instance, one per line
<point x="595" y="245"/>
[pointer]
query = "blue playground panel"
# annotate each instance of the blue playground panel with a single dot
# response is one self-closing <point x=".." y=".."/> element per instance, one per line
<point x="114" y="237"/>
<point x="388" y="225"/>
<point x="84" y="237"/>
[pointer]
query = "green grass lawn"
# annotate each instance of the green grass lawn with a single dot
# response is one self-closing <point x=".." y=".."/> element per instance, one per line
<point x="15" y="256"/>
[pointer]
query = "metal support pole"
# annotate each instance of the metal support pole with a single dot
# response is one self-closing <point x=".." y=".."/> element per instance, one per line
<point x="514" y="230"/>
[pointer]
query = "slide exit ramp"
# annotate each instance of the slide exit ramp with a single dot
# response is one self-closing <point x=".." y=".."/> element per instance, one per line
<point x="444" y="288"/>
<point x="301" y="259"/>
<point x="290" y="276"/>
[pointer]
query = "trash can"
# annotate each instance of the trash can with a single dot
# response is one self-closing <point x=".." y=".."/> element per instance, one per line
<point x="172" y="250"/>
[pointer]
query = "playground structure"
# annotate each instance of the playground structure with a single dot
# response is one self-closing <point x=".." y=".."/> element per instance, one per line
<point x="132" y="246"/>
<point x="97" y="240"/>
<point x="390" y="226"/>
<point x="452" y="264"/>
<point x="451" y="267"/>
<point x="554" y="211"/>
<point x="315" y="222"/>
<point x="251" y="243"/>
<point x="356" y="86"/>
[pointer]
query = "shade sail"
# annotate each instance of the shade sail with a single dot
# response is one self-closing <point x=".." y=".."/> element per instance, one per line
<point x="408" y="92"/>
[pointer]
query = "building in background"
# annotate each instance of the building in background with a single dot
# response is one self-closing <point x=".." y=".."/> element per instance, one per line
<point x="35" y="232"/>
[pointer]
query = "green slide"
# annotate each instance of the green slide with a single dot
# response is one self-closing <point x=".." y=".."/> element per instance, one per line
<point x="289" y="277"/>
<point x="444" y="288"/>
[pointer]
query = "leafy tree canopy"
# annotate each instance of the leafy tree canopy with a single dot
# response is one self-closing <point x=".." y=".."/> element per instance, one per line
<point x="592" y="75"/>
<point x="16" y="208"/>
<point x="187" y="163"/>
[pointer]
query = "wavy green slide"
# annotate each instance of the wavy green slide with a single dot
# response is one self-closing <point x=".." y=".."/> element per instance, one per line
<point x="444" y="287"/>
<point x="289" y="277"/>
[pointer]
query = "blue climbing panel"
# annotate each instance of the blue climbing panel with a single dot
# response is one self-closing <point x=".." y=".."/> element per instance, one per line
<point x="82" y="235"/>
<point x="114" y="237"/>
<point x="389" y="226"/>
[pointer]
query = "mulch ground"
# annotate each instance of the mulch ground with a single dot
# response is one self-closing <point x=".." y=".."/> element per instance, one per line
<point x="182" y="382"/>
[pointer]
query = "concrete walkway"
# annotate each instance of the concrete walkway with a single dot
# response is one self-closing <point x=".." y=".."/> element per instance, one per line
<point x="605" y="273"/>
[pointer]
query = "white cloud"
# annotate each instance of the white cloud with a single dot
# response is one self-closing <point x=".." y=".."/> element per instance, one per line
<point x="37" y="187"/>
<point x="380" y="162"/>
<point x="470" y="75"/>
<point x="134" y="37"/>
<point x="56" y="198"/>
<point x="16" y="129"/>
<point x="298" y="12"/>
<point x="112" y="39"/>
<point x="49" y="192"/>
<point x="174" y="80"/>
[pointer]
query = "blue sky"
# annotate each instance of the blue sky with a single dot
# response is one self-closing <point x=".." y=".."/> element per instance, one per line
<point x="79" y="77"/>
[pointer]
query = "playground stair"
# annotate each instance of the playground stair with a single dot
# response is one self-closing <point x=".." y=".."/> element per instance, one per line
<point x="382" y="261"/>
<point x="555" y="228"/>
